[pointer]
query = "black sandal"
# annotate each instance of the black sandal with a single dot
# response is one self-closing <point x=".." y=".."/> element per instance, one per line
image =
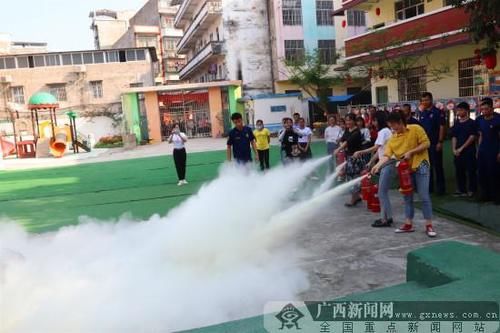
<point x="379" y="223"/>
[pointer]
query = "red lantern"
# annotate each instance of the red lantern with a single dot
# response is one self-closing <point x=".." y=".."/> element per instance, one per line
<point x="377" y="11"/>
<point x="405" y="183"/>
<point x="366" y="185"/>
<point x="490" y="60"/>
<point x="375" y="203"/>
<point x="344" y="23"/>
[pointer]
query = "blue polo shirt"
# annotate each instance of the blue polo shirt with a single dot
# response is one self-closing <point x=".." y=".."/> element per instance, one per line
<point x="240" y="141"/>
<point x="489" y="129"/>
<point x="462" y="131"/>
<point x="431" y="120"/>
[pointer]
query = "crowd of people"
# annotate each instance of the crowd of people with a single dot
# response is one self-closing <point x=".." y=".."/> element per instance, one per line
<point x="376" y="142"/>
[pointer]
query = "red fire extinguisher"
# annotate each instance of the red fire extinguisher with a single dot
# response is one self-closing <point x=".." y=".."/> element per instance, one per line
<point x="365" y="185"/>
<point x="405" y="183"/>
<point x="375" y="203"/>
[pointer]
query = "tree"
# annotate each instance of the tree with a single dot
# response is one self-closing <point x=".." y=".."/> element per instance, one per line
<point x="313" y="76"/>
<point x="484" y="22"/>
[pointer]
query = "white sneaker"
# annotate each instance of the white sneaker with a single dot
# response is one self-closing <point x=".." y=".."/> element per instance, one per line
<point x="180" y="183"/>
<point x="184" y="182"/>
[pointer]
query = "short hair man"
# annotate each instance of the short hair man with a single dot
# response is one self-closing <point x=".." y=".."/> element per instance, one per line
<point x="433" y="122"/>
<point x="240" y="139"/>
<point x="488" y="126"/>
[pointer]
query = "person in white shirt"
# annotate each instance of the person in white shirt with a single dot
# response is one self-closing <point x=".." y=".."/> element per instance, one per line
<point x="305" y="137"/>
<point x="332" y="137"/>
<point x="387" y="173"/>
<point x="178" y="139"/>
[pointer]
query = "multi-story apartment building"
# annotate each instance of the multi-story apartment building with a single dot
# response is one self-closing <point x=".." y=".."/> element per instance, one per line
<point x="431" y="33"/>
<point x="150" y="26"/>
<point x="88" y="82"/>
<point x="170" y="36"/>
<point x="108" y="26"/>
<point x="226" y="40"/>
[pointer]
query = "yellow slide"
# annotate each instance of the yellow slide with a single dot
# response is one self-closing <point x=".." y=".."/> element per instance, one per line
<point x="59" y="144"/>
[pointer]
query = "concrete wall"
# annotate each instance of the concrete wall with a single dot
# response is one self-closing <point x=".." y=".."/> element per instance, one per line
<point x="246" y="35"/>
<point x="445" y="88"/>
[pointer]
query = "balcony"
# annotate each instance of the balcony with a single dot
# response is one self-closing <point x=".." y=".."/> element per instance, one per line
<point x="207" y="15"/>
<point x="437" y="29"/>
<point x="184" y="13"/>
<point x="211" y="50"/>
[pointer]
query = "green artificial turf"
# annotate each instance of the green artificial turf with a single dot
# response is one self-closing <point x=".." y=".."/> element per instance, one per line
<point x="47" y="199"/>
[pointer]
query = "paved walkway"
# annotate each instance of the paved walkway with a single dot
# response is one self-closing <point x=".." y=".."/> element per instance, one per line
<point x="346" y="255"/>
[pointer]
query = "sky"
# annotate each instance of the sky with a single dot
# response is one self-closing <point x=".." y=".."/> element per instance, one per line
<point x="63" y="24"/>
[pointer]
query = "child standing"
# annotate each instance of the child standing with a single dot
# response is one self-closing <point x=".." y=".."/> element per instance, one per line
<point x="464" y="150"/>
<point x="262" y="138"/>
<point x="179" y="139"/>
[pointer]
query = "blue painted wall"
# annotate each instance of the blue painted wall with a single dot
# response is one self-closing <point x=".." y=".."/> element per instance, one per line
<point x="313" y="32"/>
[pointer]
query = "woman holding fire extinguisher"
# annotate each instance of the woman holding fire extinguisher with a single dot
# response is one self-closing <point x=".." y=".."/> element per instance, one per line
<point x="409" y="145"/>
<point x="351" y="142"/>
<point x="387" y="172"/>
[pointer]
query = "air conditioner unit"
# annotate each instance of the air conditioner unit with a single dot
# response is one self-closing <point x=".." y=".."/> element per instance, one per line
<point x="81" y="69"/>
<point x="6" y="79"/>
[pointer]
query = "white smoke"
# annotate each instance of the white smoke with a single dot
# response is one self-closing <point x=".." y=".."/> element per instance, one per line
<point x="219" y="256"/>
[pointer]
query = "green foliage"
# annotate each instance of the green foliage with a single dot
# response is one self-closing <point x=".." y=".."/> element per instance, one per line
<point x="484" y="21"/>
<point x="313" y="76"/>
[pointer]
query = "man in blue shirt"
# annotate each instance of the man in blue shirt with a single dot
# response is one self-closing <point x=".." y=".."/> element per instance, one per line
<point x="240" y="139"/>
<point x="463" y="145"/>
<point x="410" y="120"/>
<point x="488" y="125"/>
<point x="433" y="122"/>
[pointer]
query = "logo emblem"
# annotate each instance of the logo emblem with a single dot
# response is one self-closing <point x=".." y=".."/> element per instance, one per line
<point x="289" y="317"/>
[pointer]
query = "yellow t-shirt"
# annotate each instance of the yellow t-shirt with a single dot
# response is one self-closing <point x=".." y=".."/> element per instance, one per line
<point x="262" y="138"/>
<point x="399" y="144"/>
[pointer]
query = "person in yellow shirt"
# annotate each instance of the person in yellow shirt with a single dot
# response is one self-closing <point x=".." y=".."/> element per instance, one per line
<point x="409" y="142"/>
<point x="263" y="138"/>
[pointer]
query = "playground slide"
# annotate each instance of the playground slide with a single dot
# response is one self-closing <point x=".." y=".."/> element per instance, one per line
<point x="58" y="146"/>
<point x="7" y="147"/>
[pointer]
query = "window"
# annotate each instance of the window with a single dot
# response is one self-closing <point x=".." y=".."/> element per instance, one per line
<point x="292" y="12"/>
<point x="327" y="52"/>
<point x="169" y="44"/>
<point x="324" y="11"/>
<point x="140" y="54"/>
<point x="98" y="57"/>
<point x="382" y="95"/>
<point x="17" y="94"/>
<point x="52" y="60"/>
<point x="471" y="78"/>
<point x="22" y="62"/>
<point x="59" y="91"/>
<point x="10" y="63"/>
<point x="112" y="56"/>
<point x="77" y="58"/>
<point x="96" y="87"/>
<point x="408" y="8"/>
<point x="411" y="83"/>
<point x="447" y="3"/>
<point x="87" y="58"/>
<point x="136" y="85"/>
<point x="131" y="55"/>
<point x="167" y="22"/>
<point x="294" y="50"/>
<point x="147" y="41"/>
<point x="356" y="18"/>
<point x="39" y="61"/>
<point x="66" y="59"/>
